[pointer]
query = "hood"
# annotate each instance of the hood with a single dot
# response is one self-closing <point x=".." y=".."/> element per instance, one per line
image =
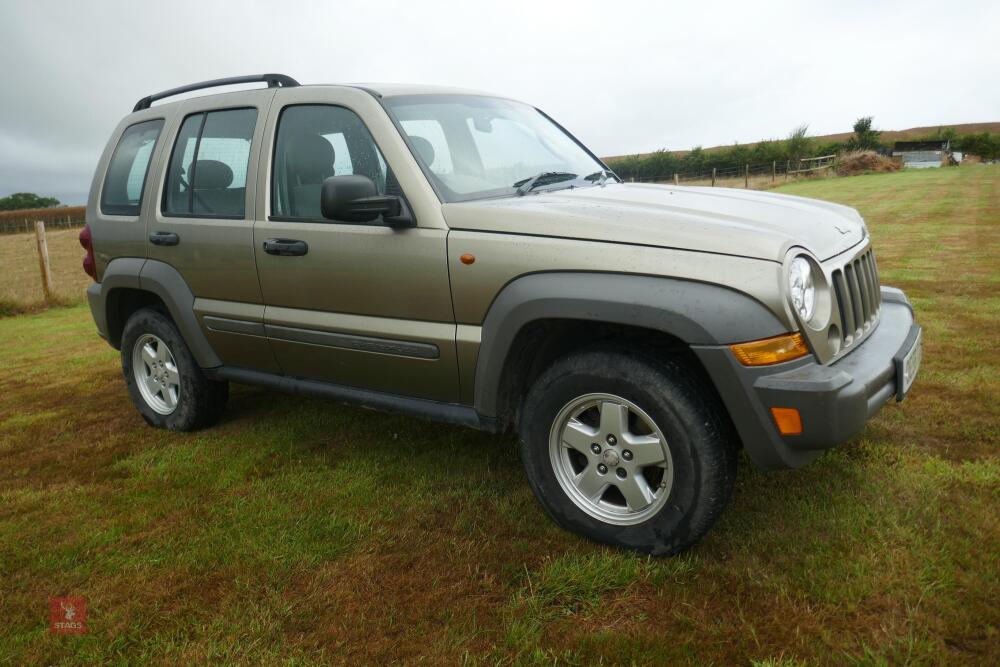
<point x="746" y="223"/>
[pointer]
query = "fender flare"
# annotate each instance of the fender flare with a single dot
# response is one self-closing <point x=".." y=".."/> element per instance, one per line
<point x="120" y="273"/>
<point x="165" y="282"/>
<point x="694" y="312"/>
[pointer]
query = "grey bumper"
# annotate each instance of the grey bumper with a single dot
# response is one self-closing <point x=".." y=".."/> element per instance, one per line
<point x="95" y="298"/>
<point x="835" y="401"/>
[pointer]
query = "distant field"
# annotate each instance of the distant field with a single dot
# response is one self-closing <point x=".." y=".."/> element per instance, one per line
<point x="300" y="532"/>
<point x="21" y="283"/>
<point x="888" y="136"/>
<point x="914" y="132"/>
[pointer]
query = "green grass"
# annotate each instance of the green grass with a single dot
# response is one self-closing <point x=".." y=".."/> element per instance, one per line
<point x="302" y="532"/>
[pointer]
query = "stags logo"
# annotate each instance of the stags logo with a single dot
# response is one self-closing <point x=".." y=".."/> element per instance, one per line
<point x="68" y="616"/>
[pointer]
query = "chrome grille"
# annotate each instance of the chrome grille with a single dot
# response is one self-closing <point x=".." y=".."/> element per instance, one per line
<point x="859" y="297"/>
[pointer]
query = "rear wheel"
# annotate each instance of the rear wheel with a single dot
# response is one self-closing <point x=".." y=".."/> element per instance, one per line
<point x="166" y="385"/>
<point x="628" y="450"/>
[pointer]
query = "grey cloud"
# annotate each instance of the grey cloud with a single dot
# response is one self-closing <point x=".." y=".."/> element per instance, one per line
<point x="624" y="77"/>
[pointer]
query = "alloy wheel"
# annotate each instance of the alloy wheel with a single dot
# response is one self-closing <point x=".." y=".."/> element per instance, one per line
<point x="611" y="458"/>
<point x="156" y="374"/>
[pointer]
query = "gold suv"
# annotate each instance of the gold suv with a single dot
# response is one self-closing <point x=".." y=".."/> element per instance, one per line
<point x="460" y="256"/>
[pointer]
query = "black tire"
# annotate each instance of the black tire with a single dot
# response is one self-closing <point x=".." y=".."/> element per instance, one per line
<point x="200" y="401"/>
<point x="701" y="444"/>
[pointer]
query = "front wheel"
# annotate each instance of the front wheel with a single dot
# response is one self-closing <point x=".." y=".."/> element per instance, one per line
<point x="167" y="387"/>
<point x="628" y="450"/>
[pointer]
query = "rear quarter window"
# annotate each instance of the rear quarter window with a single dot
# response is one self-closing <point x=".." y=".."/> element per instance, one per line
<point x="128" y="169"/>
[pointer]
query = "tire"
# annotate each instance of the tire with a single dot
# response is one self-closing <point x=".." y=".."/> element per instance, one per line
<point x="167" y="386"/>
<point x="669" y="496"/>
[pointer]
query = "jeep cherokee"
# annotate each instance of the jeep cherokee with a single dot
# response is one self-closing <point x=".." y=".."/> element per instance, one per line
<point x="462" y="257"/>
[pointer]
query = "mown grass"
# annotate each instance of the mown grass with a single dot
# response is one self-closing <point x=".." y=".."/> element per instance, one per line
<point x="303" y="532"/>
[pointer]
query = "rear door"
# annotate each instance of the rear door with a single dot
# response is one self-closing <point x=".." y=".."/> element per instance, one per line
<point x="203" y="220"/>
<point x="366" y="305"/>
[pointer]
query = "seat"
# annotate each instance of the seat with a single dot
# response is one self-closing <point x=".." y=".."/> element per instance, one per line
<point x="309" y="161"/>
<point x="424" y="148"/>
<point x="212" y="194"/>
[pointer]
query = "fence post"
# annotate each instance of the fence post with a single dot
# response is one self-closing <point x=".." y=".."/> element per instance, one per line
<point x="788" y="166"/>
<point x="713" y="177"/>
<point x="774" y="170"/>
<point x="676" y="179"/>
<point x="746" y="176"/>
<point x="43" y="260"/>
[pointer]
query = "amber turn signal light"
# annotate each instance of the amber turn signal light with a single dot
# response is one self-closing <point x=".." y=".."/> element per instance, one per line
<point x="788" y="420"/>
<point x="771" y="350"/>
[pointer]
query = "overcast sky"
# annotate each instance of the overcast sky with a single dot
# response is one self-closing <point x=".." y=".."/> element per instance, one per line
<point x="624" y="77"/>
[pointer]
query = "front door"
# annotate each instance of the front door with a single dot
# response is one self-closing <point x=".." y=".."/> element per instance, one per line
<point x="361" y="305"/>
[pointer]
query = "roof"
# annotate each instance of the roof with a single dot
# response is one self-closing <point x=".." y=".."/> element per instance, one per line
<point x="285" y="81"/>
<point x="906" y="146"/>
<point x="393" y="89"/>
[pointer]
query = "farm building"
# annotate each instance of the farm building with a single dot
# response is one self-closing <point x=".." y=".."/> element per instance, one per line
<point x="921" y="154"/>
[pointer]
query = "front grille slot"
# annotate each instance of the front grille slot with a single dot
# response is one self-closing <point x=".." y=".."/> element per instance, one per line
<point x="856" y="288"/>
<point x="855" y="294"/>
<point x="866" y="295"/>
<point x="843" y="303"/>
<point x="873" y="286"/>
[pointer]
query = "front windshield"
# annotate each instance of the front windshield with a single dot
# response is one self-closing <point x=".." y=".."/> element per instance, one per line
<point x="476" y="147"/>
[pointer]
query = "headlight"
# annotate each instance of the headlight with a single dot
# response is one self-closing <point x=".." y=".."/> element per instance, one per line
<point x="801" y="288"/>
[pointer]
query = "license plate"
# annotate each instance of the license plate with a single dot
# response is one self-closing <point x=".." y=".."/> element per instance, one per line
<point x="907" y="367"/>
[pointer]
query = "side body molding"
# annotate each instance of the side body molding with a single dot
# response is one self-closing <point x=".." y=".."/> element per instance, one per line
<point x="167" y="283"/>
<point x="696" y="313"/>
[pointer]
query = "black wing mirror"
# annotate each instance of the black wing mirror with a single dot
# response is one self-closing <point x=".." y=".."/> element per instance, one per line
<point x="356" y="199"/>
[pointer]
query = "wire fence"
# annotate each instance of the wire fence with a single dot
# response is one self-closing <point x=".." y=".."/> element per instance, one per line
<point x="751" y="175"/>
<point x="12" y="222"/>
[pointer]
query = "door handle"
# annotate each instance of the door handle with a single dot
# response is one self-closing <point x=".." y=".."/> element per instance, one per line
<point x="285" y="247"/>
<point x="164" y="238"/>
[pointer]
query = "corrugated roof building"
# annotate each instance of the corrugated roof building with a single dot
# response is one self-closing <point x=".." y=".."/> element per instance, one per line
<point x="921" y="154"/>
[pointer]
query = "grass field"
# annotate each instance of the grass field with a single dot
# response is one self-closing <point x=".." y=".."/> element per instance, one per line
<point x="302" y="532"/>
<point x="21" y="286"/>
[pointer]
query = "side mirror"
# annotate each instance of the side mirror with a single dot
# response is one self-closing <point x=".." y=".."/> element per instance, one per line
<point x="356" y="199"/>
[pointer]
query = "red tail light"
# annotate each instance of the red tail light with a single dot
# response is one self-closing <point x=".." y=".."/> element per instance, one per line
<point x="89" y="266"/>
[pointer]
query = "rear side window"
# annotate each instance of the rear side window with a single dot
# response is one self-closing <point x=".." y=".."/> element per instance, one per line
<point x="126" y="177"/>
<point x="207" y="176"/>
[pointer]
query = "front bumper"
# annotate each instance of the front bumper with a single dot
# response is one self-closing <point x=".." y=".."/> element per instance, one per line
<point x="835" y="401"/>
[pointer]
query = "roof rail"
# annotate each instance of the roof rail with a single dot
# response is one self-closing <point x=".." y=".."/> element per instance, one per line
<point x="272" y="80"/>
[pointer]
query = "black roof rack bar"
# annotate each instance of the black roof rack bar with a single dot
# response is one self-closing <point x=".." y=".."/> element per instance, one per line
<point x="272" y="80"/>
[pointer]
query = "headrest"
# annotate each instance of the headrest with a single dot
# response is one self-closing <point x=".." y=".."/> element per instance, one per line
<point x="310" y="157"/>
<point x="424" y="149"/>
<point x="212" y="175"/>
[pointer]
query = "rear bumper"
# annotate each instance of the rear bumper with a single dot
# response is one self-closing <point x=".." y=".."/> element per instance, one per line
<point x="95" y="298"/>
<point x="834" y="401"/>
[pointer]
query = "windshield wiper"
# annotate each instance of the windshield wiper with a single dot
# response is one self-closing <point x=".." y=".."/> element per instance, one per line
<point x="528" y="184"/>
<point x="599" y="177"/>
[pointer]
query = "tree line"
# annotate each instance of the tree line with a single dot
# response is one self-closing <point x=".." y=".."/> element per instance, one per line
<point x="26" y="200"/>
<point x="796" y="146"/>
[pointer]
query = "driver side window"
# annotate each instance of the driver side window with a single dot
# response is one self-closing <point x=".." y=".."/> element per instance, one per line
<point x="313" y="143"/>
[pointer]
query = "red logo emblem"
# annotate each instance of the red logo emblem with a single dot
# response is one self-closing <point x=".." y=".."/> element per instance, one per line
<point x="68" y="616"/>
